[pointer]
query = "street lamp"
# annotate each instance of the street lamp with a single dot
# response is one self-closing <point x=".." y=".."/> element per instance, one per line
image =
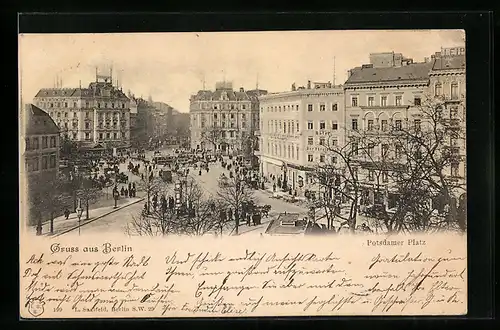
<point x="79" y="212"/>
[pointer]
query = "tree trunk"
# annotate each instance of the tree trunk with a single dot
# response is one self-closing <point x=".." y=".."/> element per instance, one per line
<point x="74" y="201"/>
<point x="237" y="219"/>
<point x="87" y="210"/>
<point x="52" y="222"/>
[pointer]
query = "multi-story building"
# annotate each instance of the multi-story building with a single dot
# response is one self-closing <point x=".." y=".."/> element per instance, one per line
<point x="296" y="130"/>
<point x="95" y="116"/>
<point x="381" y="97"/>
<point x="224" y="119"/>
<point x="39" y="152"/>
<point x="447" y="81"/>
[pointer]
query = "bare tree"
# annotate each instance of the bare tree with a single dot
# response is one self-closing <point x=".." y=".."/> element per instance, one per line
<point x="201" y="217"/>
<point x="410" y="160"/>
<point x="150" y="184"/>
<point x="213" y="135"/>
<point x="233" y="193"/>
<point x="88" y="194"/>
<point x="160" y="222"/>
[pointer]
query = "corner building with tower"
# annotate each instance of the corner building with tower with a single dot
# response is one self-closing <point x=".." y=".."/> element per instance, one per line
<point x="94" y="117"/>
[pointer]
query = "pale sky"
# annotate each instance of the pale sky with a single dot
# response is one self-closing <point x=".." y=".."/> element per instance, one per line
<point x="170" y="66"/>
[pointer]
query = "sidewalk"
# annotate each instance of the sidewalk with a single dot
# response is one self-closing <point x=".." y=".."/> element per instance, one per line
<point x="62" y="226"/>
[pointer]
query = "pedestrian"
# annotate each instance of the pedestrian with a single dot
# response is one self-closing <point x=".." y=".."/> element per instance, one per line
<point x="66" y="213"/>
<point x="125" y="192"/>
<point x="133" y="185"/>
<point x="199" y="172"/>
<point x="122" y="191"/>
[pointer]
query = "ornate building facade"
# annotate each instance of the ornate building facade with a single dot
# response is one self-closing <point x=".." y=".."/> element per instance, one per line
<point x="95" y="116"/>
<point x="224" y="119"/>
<point x="296" y="128"/>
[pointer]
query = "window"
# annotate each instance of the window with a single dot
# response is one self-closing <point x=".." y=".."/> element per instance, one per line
<point x="65" y="104"/>
<point x="398" y="124"/>
<point x="243" y="107"/>
<point x="284" y="127"/>
<point x="383" y="101"/>
<point x="87" y="104"/>
<point x="384" y="149"/>
<point x="45" y="162"/>
<point x="321" y="158"/>
<point x="293" y="127"/>
<point x="115" y="136"/>
<point x="354" y="148"/>
<point x="52" y="105"/>
<point x="35" y="164"/>
<point x="292" y="149"/>
<point x="322" y="107"/>
<point x="454" y="91"/>
<point x="289" y="131"/>
<point x="231" y="134"/>
<point x="438" y="89"/>
<point x="371" y="146"/>
<point x="105" y="105"/>
<point x="74" y="136"/>
<point x="453" y="113"/>
<point x="371" y="101"/>
<point x="385" y="176"/>
<point x="45" y="142"/>
<point x="321" y="141"/>
<point x="398" y="100"/>
<point x="52" y="161"/>
<point x="334" y="107"/>
<point x="98" y="104"/>
<point x="334" y="159"/>
<point x="310" y="141"/>
<point x="310" y="125"/>
<point x="454" y="169"/>
<point x="28" y="146"/>
<point x="74" y="115"/>
<point x="322" y="124"/>
<point x="370" y="124"/>
<point x="309" y="107"/>
<point x="335" y="125"/>
<point x="108" y="135"/>
<point x="416" y="124"/>
<point x="371" y="175"/>
<point x="100" y="136"/>
<point x="112" y="105"/>
<point x="354" y="101"/>
<point x="417" y="101"/>
<point x="310" y="158"/>
<point x="383" y="125"/>
<point x="87" y="136"/>
<point x="297" y="126"/>
<point x="354" y="124"/>
<point x="232" y="116"/>
<point x="35" y="144"/>
<point x="334" y="142"/>
<point x="123" y="105"/>
<point x="52" y="141"/>
<point x="398" y="151"/>
<point x="297" y="153"/>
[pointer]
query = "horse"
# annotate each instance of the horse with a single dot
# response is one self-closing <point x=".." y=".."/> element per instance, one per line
<point x="265" y="210"/>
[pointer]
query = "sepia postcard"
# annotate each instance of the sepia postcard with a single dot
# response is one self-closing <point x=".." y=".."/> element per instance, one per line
<point x="242" y="174"/>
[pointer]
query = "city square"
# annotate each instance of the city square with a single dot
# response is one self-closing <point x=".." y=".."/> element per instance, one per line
<point x="379" y="150"/>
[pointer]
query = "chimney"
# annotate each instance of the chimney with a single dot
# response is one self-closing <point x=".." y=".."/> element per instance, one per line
<point x="293" y="87"/>
<point x="308" y="84"/>
<point x="242" y="89"/>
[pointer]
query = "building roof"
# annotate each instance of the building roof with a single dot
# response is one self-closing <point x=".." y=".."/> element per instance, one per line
<point x="206" y="95"/>
<point x="287" y="224"/>
<point x="37" y="121"/>
<point x="96" y="87"/>
<point x="369" y="74"/>
<point x="449" y="63"/>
